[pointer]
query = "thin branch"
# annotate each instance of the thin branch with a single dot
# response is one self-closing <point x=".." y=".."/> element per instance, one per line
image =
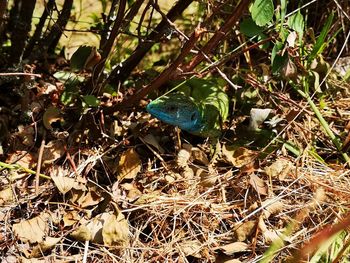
<point x="218" y="36"/>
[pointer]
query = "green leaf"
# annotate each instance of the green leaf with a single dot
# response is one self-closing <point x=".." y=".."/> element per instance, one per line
<point x="320" y="42"/>
<point x="296" y="22"/>
<point x="80" y="56"/>
<point x="262" y="11"/>
<point x="91" y="100"/>
<point x="276" y="49"/>
<point x="278" y="63"/>
<point x="249" y="28"/>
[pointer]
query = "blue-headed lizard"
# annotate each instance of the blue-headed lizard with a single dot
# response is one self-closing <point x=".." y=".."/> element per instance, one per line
<point x="197" y="106"/>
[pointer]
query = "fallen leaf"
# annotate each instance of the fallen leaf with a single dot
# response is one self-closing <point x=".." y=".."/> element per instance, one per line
<point x="53" y="151"/>
<point x="32" y="230"/>
<point x="234" y="247"/>
<point x="44" y="246"/>
<point x="70" y="218"/>
<point x="258" y="184"/>
<point x="183" y="157"/>
<point x="64" y="184"/>
<point x="129" y="164"/>
<point x="191" y="248"/>
<point x="257" y="117"/>
<point x="245" y="230"/>
<point x="271" y="207"/>
<point x="207" y="179"/>
<point x="50" y="116"/>
<point x="150" y="139"/>
<point x="270" y="235"/>
<point x="280" y="168"/>
<point x="238" y="157"/>
<point x="199" y="156"/>
<point x="115" y="231"/>
<point x="90" y="198"/>
<point x="105" y="228"/>
<point x="6" y="196"/>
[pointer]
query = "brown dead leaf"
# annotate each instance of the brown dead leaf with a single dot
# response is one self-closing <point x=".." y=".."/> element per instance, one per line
<point x="53" y="151"/>
<point x="245" y="230"/>
<point x="50" y="116"/>
<point x="207" y="179"/>
<point x="183" y="157"/>
<point x="280" y="168"/>
<point x="129" y="165"/>
<point x="26" y="134"/>
<point x="271" y="207"/>
<point x="63" y="184"/>
<point x="258" y="184"/>
<point x="44" y="246"/>
<point x="6" y="196"/>
<point x="234" y="247"/>
<point x="21" y="158"/>
<point x="32" y="230"/>
<point x="70" y="218"/>
<point x="238" y="157"/>
<point x="270" y="235"/>
<point x="105" y="228"/>
<point x="199" y="156"/>
<point x="90" y="198"/>
<point x="150" y="139"/>
<point x="191" y="248"/>
<point x="115" y="230"/>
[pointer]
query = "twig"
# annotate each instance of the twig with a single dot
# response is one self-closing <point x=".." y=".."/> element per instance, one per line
<point x="20" y="74"/>
<point x="218" y="36"/>
<point x="165" y="76"/>
<point x="38" y="167"/>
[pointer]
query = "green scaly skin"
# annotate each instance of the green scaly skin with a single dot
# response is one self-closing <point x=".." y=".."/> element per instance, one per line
<point x="197" y="106"/>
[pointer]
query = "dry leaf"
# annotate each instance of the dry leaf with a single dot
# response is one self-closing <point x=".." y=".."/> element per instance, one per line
<point x="258" y="184"/>
<point x="51" y="115"/>
<point x="199" y="156"/>
<point x="191" y="248"/>
<point x="90" y="198"/>
<point x="271" y="207"/>
<point x="257" y="117"/>
<point x="234" y="247"/>
<point x="238" y="157"/>
<point x="280" y="168"/>
<point x="63" y="184"/>
<point x="46" y="245"/>
<point x="115" y="230"/>
<point x="6" y="196"/>
<point x="53" y="151"/>
<point x="245" y="230"/>
<point x="150" y="139"/>
<point x="90" y="231"/>
<point x="32" y="230"/>
<point x="70" y="218"/>
<point x="183" y="157"/>
<point x="270" y="235"/>
<point x="207" y="179"/>
<point x="129" y="164"/>
<point x="105" y="228"/>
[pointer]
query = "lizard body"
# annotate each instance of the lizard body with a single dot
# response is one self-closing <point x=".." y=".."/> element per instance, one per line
<point x="198" y="106"/>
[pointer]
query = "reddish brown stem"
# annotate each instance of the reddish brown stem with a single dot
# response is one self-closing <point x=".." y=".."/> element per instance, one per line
<point x="168" y="74"/>
<point x="218" y="36"/>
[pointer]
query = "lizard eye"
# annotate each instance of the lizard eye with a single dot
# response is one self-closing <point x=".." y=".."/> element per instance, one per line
<point x="171" y="108"/>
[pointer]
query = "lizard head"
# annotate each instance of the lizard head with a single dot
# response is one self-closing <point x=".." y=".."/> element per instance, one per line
<point x="178" y="110"/>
